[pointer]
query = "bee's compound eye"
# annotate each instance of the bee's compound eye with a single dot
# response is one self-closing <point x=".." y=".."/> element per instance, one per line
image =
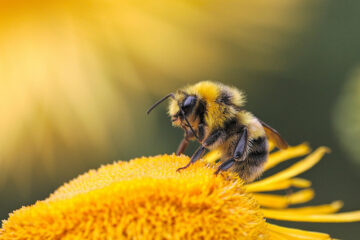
<point x="189" y="101"/>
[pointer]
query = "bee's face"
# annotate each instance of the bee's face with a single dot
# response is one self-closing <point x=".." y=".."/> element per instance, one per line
<point x="182" y="105"/>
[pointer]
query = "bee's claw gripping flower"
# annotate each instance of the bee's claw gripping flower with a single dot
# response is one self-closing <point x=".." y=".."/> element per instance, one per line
<point x="147" y="199"/>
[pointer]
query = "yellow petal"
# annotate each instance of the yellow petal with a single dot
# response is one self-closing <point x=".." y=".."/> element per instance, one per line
<point x="212" y="156"/>
<point x="320" y="209"/>
<point x="294" y="170"/>
<point x="300" y="183"/>
<point x="271" y="145"/>
<point x="278" y="201"/>
<point x="294" y="182"/>
<point x="283" y="155"/>
<point x="289" y="216"/>
<point x="291" y="233"/>
<point x="277" y="236"/>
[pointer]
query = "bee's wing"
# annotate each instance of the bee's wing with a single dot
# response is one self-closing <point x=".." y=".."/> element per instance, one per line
<point x="274" y="136"/>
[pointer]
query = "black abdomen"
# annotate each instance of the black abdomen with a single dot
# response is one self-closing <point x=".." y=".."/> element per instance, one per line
<point x="258" y="151"/>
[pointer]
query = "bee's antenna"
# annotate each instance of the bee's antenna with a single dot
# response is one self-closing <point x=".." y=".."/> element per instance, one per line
<point x="187" y="121"/>
<point x="182" y="111"/>
<point x="160" y="101"/>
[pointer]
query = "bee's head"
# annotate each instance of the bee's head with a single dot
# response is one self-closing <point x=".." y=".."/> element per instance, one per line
<point x="181" y="108"/>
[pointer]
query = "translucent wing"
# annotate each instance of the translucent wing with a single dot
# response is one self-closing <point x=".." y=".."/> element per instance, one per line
<point x="274" y="136"/>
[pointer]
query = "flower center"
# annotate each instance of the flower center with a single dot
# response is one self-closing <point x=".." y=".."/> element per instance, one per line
<point x="145" y="198"/>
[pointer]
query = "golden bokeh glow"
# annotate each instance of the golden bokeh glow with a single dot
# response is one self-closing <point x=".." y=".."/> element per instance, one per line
<point x="66" y="66"/>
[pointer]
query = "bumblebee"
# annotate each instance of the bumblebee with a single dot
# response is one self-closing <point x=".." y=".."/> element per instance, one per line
<point x="212" y="114"/>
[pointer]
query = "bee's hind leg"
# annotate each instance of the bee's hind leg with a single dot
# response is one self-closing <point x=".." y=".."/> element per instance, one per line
<point x="199" y="152"/>
<point x="225" y="165"/>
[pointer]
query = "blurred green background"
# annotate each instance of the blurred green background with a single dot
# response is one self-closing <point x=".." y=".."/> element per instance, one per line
<point x="77" y="77"/>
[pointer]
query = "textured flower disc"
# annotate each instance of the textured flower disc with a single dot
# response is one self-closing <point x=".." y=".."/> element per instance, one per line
<point x="143" y="199"/>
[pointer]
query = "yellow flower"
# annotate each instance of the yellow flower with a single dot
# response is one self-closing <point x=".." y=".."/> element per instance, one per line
<point x="146" y="198"/>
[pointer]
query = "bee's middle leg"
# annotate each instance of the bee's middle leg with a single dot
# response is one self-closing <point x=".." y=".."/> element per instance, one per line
<point x="239" y="152"/>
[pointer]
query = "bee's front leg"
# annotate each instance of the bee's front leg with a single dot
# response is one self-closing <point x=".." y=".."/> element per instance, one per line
<point x="185" y="142"/>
